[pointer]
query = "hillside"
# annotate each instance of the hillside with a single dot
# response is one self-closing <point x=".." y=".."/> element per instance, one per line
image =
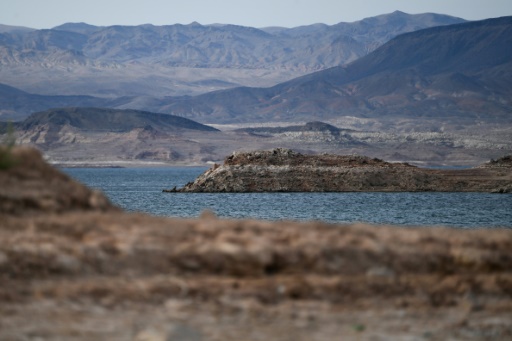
<point x="173" y="60"/>
<point x="460" y="71"/>
<point x="115" y="137"/>
<point x="109" y="120"/>
<point x="14" y="29"/>
<point x="17" y="105"/>
<point x="314" y="127"/>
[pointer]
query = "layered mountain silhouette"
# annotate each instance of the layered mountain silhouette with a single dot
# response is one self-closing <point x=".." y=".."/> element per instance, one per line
<point x="17" y="104"/>
<point x="311" y="47"/>
<point x="176" y="60"/>
<point x="108" y="120"/>
<point x="462" y="71"/>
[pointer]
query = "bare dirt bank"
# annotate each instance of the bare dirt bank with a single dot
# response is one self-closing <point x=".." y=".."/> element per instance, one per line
<point x="91" y="272"/>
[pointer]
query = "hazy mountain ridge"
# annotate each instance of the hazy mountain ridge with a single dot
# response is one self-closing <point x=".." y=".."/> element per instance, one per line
<point x="460" y="71"/>
<point x="227" y="46"/>
<point x="81" y="27"/>
<point x="16" y="103"/>
<point x="14" y="29"/>
<point x="80" y="54"/>
<point x="102" y="119"/>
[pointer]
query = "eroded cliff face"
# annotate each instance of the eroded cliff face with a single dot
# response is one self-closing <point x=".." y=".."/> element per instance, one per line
<point x="74" y="270"/>
<point x="283" y="170"/>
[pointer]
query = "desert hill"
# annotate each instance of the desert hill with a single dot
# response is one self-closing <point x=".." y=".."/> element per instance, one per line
<point x="459" y="71"/>
<point x="17" y="104"/>
<point x="109" y="120"/>
<point x="103" y="136"/>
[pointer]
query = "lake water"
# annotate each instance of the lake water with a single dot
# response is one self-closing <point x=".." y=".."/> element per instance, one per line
<point x="140" y="189"/>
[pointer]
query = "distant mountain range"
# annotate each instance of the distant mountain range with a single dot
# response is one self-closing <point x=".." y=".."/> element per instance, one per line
<point x="147" y="60"/>
<point x="213" y="46"/>
<point x="462" y="71"/>
<point x="16" y="104"/>
<point x="441" y="95"/>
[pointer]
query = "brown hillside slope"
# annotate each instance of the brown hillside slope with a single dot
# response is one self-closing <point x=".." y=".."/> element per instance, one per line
<point x="29" y="185"/>
<point x="91" y="272"/>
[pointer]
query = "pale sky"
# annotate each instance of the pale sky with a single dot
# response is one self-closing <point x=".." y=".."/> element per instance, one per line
<point x="255" y="13"/>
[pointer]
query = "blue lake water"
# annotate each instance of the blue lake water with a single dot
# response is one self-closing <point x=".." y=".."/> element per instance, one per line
<point x="140" y="189"/>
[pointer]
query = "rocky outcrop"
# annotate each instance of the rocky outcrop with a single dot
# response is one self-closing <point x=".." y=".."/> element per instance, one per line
<point x="283" y="170"/>
<point x="503" y="162"/>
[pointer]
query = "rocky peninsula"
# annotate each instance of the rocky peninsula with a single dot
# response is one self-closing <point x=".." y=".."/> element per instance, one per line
<point x="283" y="170"/>
<point x="75" y="267"/>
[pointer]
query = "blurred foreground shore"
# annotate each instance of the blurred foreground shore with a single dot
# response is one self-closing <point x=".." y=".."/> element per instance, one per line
<point x="74" y="267"/>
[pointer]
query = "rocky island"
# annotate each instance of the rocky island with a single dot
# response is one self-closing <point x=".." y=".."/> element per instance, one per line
<point x="283" y="170"/>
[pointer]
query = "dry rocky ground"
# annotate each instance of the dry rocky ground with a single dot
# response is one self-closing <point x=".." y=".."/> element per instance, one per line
<point x="73" y="267"/>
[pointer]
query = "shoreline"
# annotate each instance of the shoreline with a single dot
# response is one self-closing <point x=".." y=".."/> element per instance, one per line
<point x="132" y="163"/>
<point x="124" y="164"/>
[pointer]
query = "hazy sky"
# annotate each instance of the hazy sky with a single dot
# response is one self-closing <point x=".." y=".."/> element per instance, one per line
<point x="256" y="13"/>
